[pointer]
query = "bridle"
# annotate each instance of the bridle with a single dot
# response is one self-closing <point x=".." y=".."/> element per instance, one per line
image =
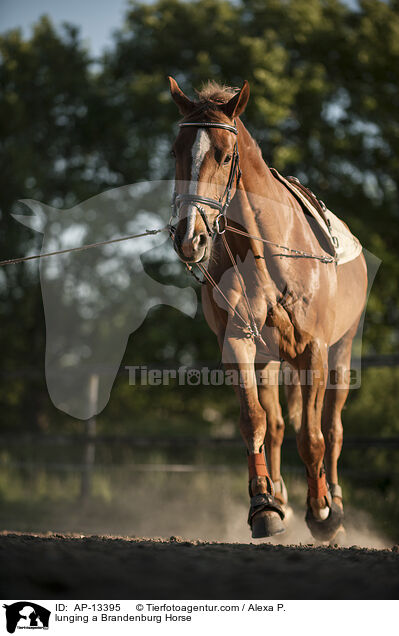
<point x="221" y="205"/>
<point x="223" y="202"/>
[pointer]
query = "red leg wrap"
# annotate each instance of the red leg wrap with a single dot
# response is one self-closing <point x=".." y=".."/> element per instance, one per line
<point x="257" y="465"/>
<point x="317" y="487"/>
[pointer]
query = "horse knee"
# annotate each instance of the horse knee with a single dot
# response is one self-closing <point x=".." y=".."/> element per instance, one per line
<point x="311" y="446"/>
<point x="252" y="414"/>
<point x="275" y="429"/>
<point x="334" y="434"/>
<point x="274" y="419"/>
<point x="253" y="427"/>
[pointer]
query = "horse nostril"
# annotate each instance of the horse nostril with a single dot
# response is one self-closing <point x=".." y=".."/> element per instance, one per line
<point x="190" y="247"/>
<point x="200" y="241"/>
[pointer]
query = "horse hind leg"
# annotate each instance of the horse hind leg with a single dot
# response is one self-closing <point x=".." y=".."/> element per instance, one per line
<point x="331" y="429"/>
<point x="293" y="394"/>
<point x="323" y="516"/>
<point x="334" y="400"/>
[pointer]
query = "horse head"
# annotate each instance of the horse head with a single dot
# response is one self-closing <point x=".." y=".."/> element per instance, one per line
<point x="207" y="165"/>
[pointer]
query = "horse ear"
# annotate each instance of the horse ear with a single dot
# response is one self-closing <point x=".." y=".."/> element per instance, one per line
<point x="184" y="104"/>
<point x="38" y="220"/>
<point x="237" y="104"/>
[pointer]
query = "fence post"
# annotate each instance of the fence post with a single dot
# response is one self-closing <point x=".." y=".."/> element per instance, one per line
<point x="90" y="446"/>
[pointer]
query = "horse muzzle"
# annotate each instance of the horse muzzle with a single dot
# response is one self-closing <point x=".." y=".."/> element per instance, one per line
<point x="191" y="250"/>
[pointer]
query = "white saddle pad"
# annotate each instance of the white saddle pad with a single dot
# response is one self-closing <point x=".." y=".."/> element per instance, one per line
<point x="347" y="246"/>
<point x="344" y="244"/>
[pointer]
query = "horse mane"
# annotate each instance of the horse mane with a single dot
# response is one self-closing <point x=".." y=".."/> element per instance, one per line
<point x="215" y="93"/>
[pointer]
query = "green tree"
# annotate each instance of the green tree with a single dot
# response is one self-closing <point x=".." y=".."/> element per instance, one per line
<point x="48" y="152"/>
<point x="323" y="106"/>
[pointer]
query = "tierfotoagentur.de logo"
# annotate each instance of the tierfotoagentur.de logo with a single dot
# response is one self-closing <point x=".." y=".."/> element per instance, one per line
<point x="26" y="615"/>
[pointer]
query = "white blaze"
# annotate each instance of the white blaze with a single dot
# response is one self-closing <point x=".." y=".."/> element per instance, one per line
<point x="200" y="147"/>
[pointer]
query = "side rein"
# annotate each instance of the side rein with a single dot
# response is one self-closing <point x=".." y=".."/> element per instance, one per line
<point x="217" y="204"/>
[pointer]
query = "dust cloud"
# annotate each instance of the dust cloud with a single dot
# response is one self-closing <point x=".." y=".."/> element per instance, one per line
<point x="192" y="505"/>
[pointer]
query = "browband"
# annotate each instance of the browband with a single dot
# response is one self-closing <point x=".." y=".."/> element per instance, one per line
<point x="209" y="124"/>
<point x="196" y="198"/>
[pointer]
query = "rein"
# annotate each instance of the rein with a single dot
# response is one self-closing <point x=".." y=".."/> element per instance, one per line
<point x="221" y="205"/>
<point x="22" y="259"/>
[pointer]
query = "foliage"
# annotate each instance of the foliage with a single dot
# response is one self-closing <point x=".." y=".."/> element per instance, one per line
<point x="323" y="106"/>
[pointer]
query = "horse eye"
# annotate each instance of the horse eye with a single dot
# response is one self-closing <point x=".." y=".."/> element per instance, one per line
<point x="172" y="153"/>
<point x="227" y="159"/>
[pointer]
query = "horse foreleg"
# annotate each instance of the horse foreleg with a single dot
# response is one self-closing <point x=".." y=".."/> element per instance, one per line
<point x="266" y="513"/>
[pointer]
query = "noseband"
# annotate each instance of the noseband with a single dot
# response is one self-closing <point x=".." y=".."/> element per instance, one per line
<point x="217" y="204"/>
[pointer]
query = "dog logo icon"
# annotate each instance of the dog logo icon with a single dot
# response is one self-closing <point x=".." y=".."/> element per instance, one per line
<point x="26" y="615"/>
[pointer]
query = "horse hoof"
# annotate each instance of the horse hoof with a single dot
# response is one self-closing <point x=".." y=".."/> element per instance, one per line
<point x="339" y="539"/>
<point x="288" y="514"/>
<point x="327" y="529"/>
<point x="266" y="524"/>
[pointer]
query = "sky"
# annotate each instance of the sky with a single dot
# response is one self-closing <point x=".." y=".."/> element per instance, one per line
<point x="96" y="18"/>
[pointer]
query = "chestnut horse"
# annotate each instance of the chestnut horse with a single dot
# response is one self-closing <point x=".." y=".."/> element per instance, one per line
<point x="273" y="292"/>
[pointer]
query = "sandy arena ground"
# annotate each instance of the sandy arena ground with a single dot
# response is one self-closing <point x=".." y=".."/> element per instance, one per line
<point x="57" y="566"/>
